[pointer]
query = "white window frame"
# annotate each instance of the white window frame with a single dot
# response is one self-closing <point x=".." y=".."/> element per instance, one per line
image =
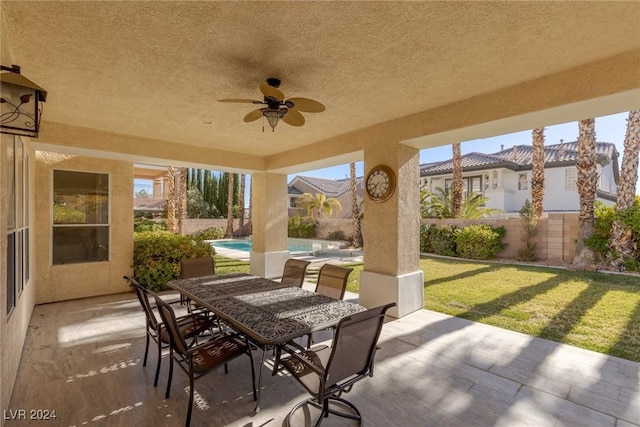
<point x="18" y="262"/>
<point x="570" y="179"/>
<point x="523" y="184"/>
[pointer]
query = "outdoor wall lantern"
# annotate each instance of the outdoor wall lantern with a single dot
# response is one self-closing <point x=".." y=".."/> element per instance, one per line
<point x="20" y="103"/>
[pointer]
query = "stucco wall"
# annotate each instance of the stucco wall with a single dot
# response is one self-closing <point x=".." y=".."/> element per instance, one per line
<point x="195" y="225"/>
<point x="63" y="282"/>
<point x="327" y="226"/>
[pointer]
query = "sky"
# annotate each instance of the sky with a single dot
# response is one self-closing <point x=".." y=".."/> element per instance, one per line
<point x="610" y="128"/>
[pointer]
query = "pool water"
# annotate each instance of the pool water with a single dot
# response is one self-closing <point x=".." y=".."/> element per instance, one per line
<point x="246" y="245"/>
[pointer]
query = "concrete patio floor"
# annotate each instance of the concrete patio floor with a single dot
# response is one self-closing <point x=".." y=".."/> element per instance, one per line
<point x="83" y="359"/>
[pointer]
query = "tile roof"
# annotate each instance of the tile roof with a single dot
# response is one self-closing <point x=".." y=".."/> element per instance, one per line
<point x="148" y="204"/>
<point x="330" y="187"/>
<point x="520" y="157"/>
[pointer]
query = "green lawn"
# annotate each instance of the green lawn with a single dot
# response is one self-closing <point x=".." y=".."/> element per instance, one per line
<point x="595" y="311"/>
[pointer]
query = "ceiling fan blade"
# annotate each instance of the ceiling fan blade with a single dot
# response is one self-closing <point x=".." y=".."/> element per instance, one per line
<point x="306" y="105"/>
<point x="253" y="115"/>
<point x="271" y="92"/>
<point x="247" y="101"/>
<point x="293" y="118"/>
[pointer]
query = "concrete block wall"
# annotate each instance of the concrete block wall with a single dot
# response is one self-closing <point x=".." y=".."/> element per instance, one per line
<point x="555" y="240"/>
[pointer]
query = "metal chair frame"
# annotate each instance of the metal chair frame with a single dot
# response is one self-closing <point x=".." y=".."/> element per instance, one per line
<point x="294" y="272"/>
<point x="203" y="358"/>
<point x="340" y="366"/>
<point x="191" y="325"/>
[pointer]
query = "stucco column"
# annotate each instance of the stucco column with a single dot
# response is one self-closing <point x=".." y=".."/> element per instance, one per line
<point x="269" y="224"/>
<point x="391" y="232"/>
<point x="158" y="188"/>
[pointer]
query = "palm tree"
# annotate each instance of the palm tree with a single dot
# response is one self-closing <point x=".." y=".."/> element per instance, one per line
<point x="171" y="199"/>
<point x="250" y="226"/>
<point x="622" y="242"/>
<point x="440" y="205"/>
<point x="241" y="202"/>
<point x="355" y="212"/>
<point x="537" y="174"/>
<point x="229" y="233"/>
<point x="182" y="198"/>
<point x="587" y="185"/>
<point x="318" y="204"/>
<point x="456" y="183"/>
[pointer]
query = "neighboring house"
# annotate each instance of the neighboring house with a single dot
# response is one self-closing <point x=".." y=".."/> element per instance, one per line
<point x="157" y="178"/>
<point x="505" y="177"/>
<point x="150" y="206"/>
<point x="339" y="189"/>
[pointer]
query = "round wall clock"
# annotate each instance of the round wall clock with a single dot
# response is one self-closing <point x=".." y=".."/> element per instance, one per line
<point x="380" y="183"/>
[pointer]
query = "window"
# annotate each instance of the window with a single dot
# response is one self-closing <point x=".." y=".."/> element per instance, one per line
<point x="570" y="179"/>
<point x="293" y="202"/>
<point x="17" y="218"/>
<point x="80" y="217"/>
<point x="470" y="185"/>
<point x="523" y="183"/>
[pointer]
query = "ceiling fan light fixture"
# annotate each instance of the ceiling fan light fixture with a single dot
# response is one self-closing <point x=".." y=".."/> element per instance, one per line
<point x="276" y="107"/>
<point x="273" y="116"/>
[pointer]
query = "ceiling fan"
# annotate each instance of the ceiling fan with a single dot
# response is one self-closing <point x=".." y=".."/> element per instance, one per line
<point x="276" y="107"/>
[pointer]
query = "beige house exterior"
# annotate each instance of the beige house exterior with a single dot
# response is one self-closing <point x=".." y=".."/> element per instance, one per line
<point x="137" y="82"/>
<point x="504" y="177"/>
<point x="339" y="189"/>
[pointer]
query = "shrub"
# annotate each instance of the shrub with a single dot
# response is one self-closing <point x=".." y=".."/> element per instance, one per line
<point x="425" y="237"/>
<point x="479" y="241"/>
<point x="302" y="227"/>
<point x="599" y="241"/>
<point x="337" y="235"/>
<point x="157" y="255"/>
<point x="143" y="224"/>
<point x="528" y="252"/>
<point x="211" y="233"/>
<point x="442" y="240"/>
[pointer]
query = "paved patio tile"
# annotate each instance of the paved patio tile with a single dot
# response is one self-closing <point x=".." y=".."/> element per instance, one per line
<point x="565" y="410"/>
<point x="84" y="359"/>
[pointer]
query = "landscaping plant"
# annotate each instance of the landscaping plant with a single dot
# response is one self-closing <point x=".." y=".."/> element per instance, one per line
<point x="157" y="255"/>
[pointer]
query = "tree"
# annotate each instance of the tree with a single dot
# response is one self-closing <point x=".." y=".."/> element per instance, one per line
<point x="250" y="230"/>
<point x="440" y="205"/>
<point x="355" y="212"/>
<point x="622" y="240"/>
<point x="241" y="203"/>
<point x="142" y="194"/>
<point x="171" y="199"/>
<point x="456" y="182"/>
<point x="229" y="233"/>
<point x="537" y="174"/>
<point x="182" y="198"/>
<point x="196" y="206"/>
<point x="587" y="186"/>
<point x="318" y="204"/>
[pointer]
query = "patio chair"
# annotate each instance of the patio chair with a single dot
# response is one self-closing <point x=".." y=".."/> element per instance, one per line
<point x="327" y="372"/>
<point x="203" y="358"/>
<point x="191" y="325"/>
<point x="294" y="271"/>
<point x="332" y="282"/>
<point x="195" y="267"/>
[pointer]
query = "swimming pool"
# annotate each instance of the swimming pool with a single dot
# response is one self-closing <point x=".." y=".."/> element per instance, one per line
<point x="294" y="245"/>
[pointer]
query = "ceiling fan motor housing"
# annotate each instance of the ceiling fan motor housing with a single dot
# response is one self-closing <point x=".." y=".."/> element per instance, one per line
<point x="272" y="81"/>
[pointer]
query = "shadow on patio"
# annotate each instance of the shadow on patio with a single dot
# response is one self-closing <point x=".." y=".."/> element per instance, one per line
<point x="83" y="359"/>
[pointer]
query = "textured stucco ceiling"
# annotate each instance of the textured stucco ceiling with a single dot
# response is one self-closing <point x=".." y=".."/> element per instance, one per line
<point x="157" y="69"/>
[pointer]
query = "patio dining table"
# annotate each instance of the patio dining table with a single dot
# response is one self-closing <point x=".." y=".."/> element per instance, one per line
<point x="268" y="312"/>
